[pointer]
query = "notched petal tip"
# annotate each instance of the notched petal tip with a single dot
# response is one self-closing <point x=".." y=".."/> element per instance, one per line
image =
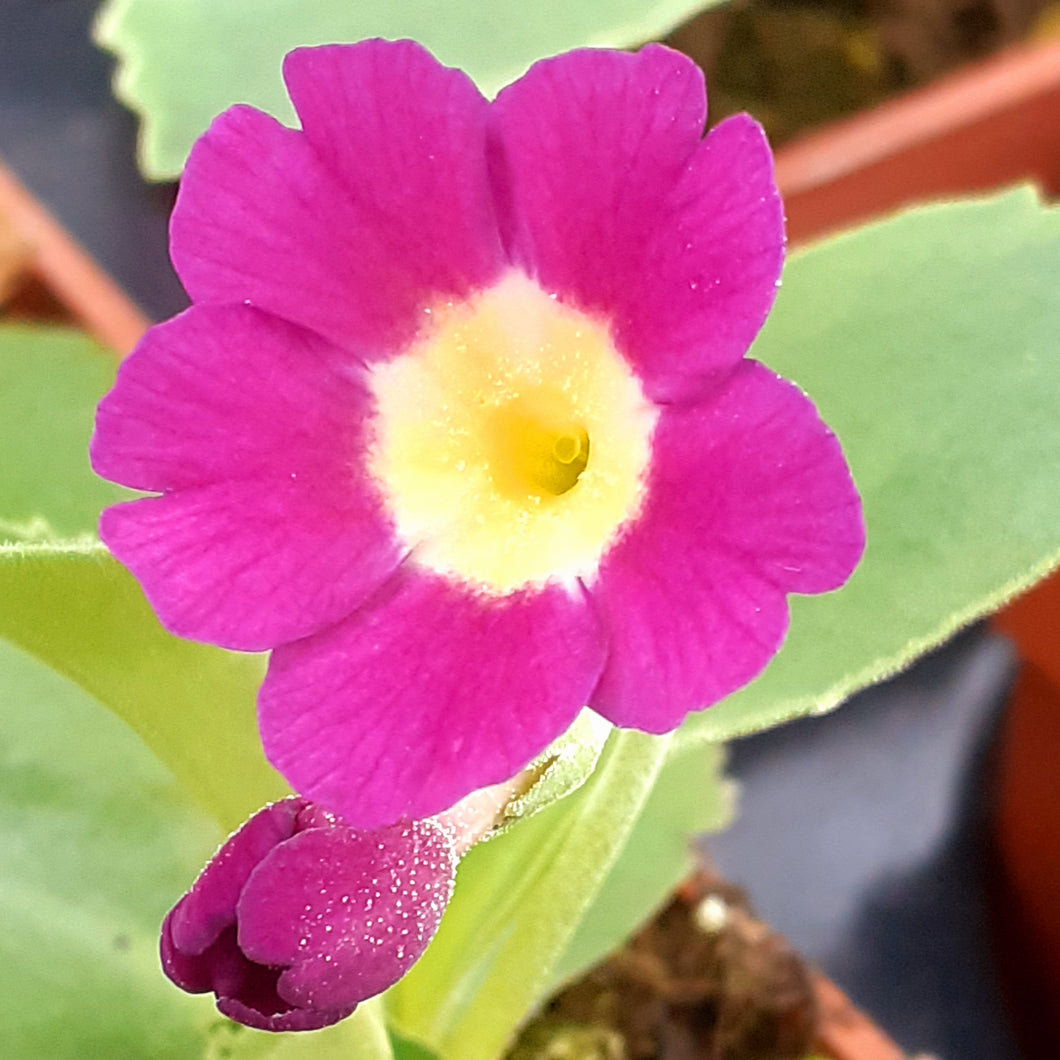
<point x="248" y="428"/>
<point x="389" y="60"/>
<point x="675" y="240"/>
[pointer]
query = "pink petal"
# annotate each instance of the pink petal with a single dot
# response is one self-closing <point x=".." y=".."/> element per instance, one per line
<point x="347" y="912"/>
<point x="351" y="239"/>
<point x="406" y="136"/>
<point x="618" y="206"/>
<point x="749" y="499"/>
<point x="273" y="528"/>
<point x="219" y="390"/>
<point x="426" y="694"/>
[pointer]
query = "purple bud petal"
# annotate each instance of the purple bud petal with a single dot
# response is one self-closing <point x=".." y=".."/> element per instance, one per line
<point x="295" y="1019"/>
<point x="210" y="906"/>
<point x="190" y="973"/>
<point x="299" y="917"/>
<point x="347" y="912"/>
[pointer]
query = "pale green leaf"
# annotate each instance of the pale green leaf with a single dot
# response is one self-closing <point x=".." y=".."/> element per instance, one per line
<point x="98" y="843"/>
<point x="691" y="797"/>
<point x="931" y="344"/>
<point x="561" y="768"/>
<point x="518" y="901"/>
<point x="178" y="67"/>
<point x="408" y="1050"/>
<point x="50" y="381"/>
<point x="76" y="609"/>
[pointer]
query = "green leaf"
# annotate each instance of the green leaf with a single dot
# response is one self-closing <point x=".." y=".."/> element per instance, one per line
<point x="98" y="840"/>
<point x="74" y="608"/>
<point x="51" y="379"/>
<point x="98" y="843"/>
<point x="690" y="797"/>
<point x="178" y="69"/>
<point x="518" y="900"/>
<point x="562" y="768"/>
<point x="406" y="1050"/>
<point x="931" y="344"/>
<point x="77" y="610"/>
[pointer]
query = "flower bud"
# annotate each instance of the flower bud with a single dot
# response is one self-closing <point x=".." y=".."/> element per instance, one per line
<point x="299" y="917"/>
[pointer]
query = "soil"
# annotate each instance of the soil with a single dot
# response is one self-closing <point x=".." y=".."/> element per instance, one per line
<point x="703" y="980"/>
<point x="797" y="63"/>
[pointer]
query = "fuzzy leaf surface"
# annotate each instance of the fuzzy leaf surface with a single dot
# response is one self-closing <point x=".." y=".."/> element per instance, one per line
<point x="691" y="797"/>
<point x="99" y="841"/>
<point x="51" y="379"/>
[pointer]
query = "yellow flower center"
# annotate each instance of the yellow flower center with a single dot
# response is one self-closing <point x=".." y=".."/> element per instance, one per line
<point x="510" y="440"/>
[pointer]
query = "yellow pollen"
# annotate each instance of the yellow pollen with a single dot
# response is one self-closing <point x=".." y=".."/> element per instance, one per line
<point x="511" y="440"/>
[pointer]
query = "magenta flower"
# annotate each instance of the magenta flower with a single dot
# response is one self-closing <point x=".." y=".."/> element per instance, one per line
<point x="298" y="917"/>
<point x="460" y="424"/>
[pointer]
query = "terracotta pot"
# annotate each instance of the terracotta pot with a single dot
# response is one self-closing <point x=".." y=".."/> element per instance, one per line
<point x="984" y="127"/>
<point x="845" y="1032"/>
<point x="1027" y="832"/>
<point x="45" y="274"/>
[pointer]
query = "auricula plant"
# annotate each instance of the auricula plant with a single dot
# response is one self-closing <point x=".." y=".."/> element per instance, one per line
<point x="462" y="428"/>
<point x="460" y="424"/>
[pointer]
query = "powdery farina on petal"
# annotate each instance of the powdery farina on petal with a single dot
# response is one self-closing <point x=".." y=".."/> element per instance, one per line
<point x="406" y="674"/>
<point x="298" y="917"/>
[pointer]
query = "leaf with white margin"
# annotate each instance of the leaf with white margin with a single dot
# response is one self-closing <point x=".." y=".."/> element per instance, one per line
<point x="930" y="342"/>
<point x="177" y="67"/>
